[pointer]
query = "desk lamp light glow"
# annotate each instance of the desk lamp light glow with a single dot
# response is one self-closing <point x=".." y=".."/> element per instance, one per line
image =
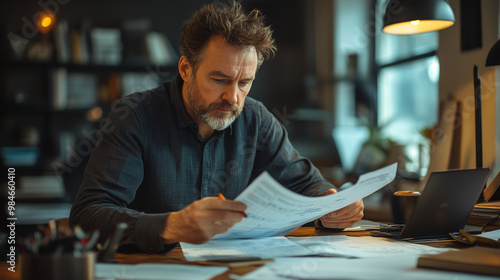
<point x="404" y="17"/>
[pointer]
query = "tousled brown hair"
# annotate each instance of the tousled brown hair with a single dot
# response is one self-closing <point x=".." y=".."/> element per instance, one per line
<point x="236" y="27"/>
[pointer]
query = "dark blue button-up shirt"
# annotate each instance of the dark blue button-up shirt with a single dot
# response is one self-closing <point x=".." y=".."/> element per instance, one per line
<point x="150" y="161"/>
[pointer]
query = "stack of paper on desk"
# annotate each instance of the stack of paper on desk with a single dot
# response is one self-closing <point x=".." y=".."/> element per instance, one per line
<point x="361" y="247"/>
<point x="329" y="246"/>
<point x="390" y="267"/>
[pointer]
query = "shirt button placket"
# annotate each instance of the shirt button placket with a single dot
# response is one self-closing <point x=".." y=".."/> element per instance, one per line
<point x="207" y="166"/>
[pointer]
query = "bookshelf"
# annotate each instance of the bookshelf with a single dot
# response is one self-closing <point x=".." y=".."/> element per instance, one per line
<point x="280" y="82"/>
<point x="52" y="106"/>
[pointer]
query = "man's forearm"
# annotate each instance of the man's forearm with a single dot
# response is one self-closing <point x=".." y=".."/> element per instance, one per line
<point x="143" y="230"/>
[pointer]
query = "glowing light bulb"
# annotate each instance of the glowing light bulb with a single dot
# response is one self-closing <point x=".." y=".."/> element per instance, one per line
<point x="46" y="21"/>
<point x="94" y="114"/>
<point x="415" y="22"/>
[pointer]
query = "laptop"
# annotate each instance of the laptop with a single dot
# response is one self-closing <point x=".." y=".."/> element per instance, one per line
<point x="444" y="206"/>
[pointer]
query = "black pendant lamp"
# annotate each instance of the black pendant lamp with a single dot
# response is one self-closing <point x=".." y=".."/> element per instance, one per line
<point x="404" y="17"/>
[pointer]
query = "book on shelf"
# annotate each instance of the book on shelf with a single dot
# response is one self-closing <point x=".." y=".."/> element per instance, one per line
<point x="136" y="81"/>
<point x="72" y="90"/>
<point x="59" y="88"/>
<point x="84" y="42"/>
<point x="67" y="141"/>
<point x="76" y="46"/>
<point x="109" y="89"/>
<point x="42" y="186"/>
<point x="480" y="260"/>
<point x="19" y="156"/>
<point x="134" y="45"/>
<point x="160" y="50"/>
<point x="71" y="43"/>
<point x="79" y="43"/>
<point x="61" y="39"/>
<point x="106" y="46"/>
<point x="82" y="91"/>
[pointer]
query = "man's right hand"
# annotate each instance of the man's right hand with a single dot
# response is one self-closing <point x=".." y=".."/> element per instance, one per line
<point x="202" y="220"/>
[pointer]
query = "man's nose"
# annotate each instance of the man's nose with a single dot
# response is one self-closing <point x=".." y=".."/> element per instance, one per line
<point x="231" y="93"/>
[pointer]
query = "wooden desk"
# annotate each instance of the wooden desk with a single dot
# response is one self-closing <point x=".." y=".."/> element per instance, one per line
<point x="176" y="256"/>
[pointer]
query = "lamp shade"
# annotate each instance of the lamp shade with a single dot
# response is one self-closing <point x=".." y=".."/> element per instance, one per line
<point x="405" y="17"/>
<point x="493" y="58"/>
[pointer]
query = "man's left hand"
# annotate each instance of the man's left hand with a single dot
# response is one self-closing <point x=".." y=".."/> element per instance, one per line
<point x="344" y="217"/>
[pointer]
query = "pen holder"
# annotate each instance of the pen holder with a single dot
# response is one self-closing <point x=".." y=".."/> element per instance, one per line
<point x="403" y="203"/>
<point x="57" y="267"/>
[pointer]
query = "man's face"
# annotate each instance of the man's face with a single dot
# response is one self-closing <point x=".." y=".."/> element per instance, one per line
<point x="216" y="92"/>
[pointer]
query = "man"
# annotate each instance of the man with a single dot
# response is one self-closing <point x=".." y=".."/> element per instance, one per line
<point x="165" y="154"/>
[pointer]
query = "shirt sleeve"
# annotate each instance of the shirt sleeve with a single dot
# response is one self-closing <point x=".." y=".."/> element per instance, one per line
<point x="276" y="155"/>
<point x="113" y="174"/>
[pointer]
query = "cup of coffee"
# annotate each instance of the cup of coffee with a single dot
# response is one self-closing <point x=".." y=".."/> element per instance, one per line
<point x="402" y="204"/>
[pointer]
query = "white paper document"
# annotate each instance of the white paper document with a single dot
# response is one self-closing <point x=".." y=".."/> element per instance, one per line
<point x="329" y="246"/>
<point x="265" y="248"/>
<point x="274" y="210"/>
<point x="390" y="267"/>
<point x="495" y="235"/>
<point x="361" y="246"/>
<point x="152" y="271"/>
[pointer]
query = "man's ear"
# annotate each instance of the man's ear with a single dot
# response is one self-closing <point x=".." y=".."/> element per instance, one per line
<point x="185" y="69"/>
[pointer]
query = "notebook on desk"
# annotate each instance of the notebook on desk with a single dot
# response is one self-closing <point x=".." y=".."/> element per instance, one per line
<point x="444" y="206"/>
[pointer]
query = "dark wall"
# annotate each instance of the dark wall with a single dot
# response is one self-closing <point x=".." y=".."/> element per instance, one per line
<point x="279" y="82"/>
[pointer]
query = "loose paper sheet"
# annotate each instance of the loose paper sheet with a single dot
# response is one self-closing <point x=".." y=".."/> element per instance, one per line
<point x="274" y="210"/>
<point x="495" y="235"/>
<point x="265" y="248"/>
<point x="361" y="247"/>
<point x="152" y="271"/>
<point x="330" y="246"/>
<point x="390" y="267"/>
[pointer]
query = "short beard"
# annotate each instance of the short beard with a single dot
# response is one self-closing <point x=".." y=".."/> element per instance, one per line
<point x="216" y="120"/>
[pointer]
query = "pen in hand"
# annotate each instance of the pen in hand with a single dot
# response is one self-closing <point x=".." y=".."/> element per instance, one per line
<point x="221" y="196"/>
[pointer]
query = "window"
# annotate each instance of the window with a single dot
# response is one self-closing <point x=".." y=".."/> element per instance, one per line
<point x="407" y="85"/>
<point x="408" y="97"/>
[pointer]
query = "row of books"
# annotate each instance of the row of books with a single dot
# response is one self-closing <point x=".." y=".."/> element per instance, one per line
<point x="111" y="46"/>
<point x="85" y="90"/>
<point x="486" y="212"/>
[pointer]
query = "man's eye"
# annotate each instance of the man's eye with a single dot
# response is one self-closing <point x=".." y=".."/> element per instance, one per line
<point x="219" y="81"/>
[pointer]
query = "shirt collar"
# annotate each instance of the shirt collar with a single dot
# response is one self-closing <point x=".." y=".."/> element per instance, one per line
<point x="183" y="117"/>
